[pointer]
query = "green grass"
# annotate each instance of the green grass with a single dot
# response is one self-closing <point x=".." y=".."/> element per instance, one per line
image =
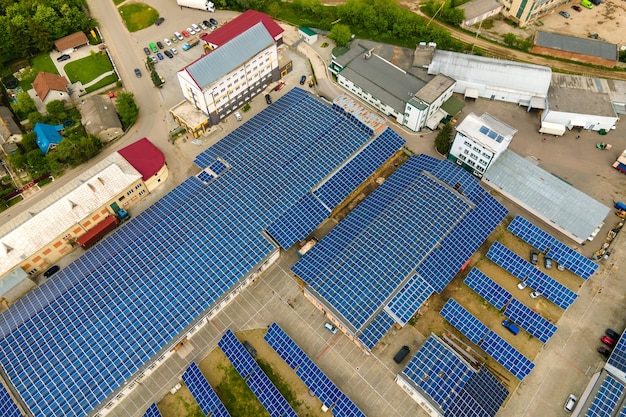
<point x="40" y="63"/>
<point x="44" y="182"/>
<point x="237" y="397"/>
<point x="137" y="16"/>
<point x="109" y="79"/>
<point x="118" y="2"/>
<point x="89" y="68"/>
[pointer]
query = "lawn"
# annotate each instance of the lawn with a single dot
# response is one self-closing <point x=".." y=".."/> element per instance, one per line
<point x="41" y="62"/>
<point x="109" y="79"/>
<point x="137" y="16"/>
<point x="89" y="68"/>
<point x="118" y="2"/>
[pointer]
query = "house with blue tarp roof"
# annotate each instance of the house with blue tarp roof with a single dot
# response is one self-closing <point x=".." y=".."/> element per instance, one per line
<point x="48" y="136"/>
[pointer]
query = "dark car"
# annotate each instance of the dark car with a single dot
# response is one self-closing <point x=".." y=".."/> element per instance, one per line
<point x="302" y="80"/>
<point x="564" y="14"/>
<point x="534" y="257"/>
<point x="612" y="334"/>
<point x="160" y="55"/>
<point x="63" y="57"/>
<point x="137" y="72"/>
<point x="146" y="51"/>
<point x="251" y="350"/>
<point x="604" y="351"/>
<point x="268" y="99"/>
<point x="168" y="54"/>
<point x="608" y="341"/>
<point x="213" y="21"/>
<point x="577" y="8"/>
<point x="206" y="23"/>
<point x="51" y="271"/>
<point x="404" y="350"/>
<point x="160" y="45"/>
<point x="159" y="21"/>
<point x="594" y="36"/>
<point x="547" y="262"/>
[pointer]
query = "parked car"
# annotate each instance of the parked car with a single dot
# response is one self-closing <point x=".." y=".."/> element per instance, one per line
<point x="167" y="42"/>
<point x="521" y="285"/>
<point x="185" y="34"/>
<point x="190" y="31"/>
<point x="302" y="80"/>
<point x="168" y="54"/>
<point x="586" y="4"/>
<point x="159" y="21"/>
<point x="251" y="350"/>
<point x="404" y="350"/>
<point x="238" y="116"/>
<point x="510" y="326"/>
<point x="160" y="56"/>
<point x="51" y="271"/>
<point x="154" y="59"/>
<point x="268" y="99"/>
<point x="186" y="46"/>
<point x="153" y="47"/>
<point x="174" y="39"/>
<point x="534" y="257"/>
<point x="577" y="8"/>
<point x="160" y="45"/>
<point x="604" y="351"/>
<point x="279" y="86"/>
<point x="146" y="51"/>
<point x="330" y="328"/>
<point x="195" y="27"/>
<point x="608" y="341"/>
<point x="570" y="403"/>
<point x="63" y="57"/>
<point x="594" y="36"/>
<point x="174" y="51"/>
<point x="206" y="23"/>
<point x="213" y="22"/>
<point x="535" y="294"/>
<point x="547" y="262"/>
<point x="203" y="26"/>
<point x="138" y="72"/>
<point x="179" y="36"/>
<point x="612" y="334"/>
<point x="564" y="14"/>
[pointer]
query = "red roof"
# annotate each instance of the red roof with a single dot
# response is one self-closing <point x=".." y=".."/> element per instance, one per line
<point x="239" y="25"/>
<point x="144" y="157"/>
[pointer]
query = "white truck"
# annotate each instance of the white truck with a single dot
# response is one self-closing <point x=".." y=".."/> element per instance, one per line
<point x="209" y="6"/>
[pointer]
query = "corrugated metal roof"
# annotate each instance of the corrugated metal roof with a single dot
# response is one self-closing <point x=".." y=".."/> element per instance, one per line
<point x="529" y="79"/>
<point x="234" y="53"/>
<point x="576" y="45"/>
<point x="559" y="204"/>
<point x="476" y="8"/>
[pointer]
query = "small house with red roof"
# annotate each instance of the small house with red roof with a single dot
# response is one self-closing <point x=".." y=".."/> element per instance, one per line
<point x="146" y="158"/>
<point x="239" y="25"/>
<point x="50" y="87"/>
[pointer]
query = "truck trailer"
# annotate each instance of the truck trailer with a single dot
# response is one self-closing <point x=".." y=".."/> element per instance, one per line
<point x="93" y="235"/>
<point x="209" y="6"/>
<point x="620" y="163"/>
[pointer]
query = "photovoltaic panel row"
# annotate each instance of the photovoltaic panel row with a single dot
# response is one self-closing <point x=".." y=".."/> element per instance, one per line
<point x="268" y="395"/>
<point x="152" y="411"/>
<point x="488" y="289"/>
<point x="320" y="384"/>
<point x="486" y="390"/>
<point x="346" y="408"/>
<point x="409" y="299"/>
<point x="606" y="399"/>
<point x="464" y="405"/>
<point x="507" y="356"/>
<point x="376" y="330"/>
<point x="426" y="162"/>
<point x="536" y="325"/>
<point x="203" y="393"/>
<point x="464" y="321"/>
<point x="622" y="412"/>
<point x="561" y="253"/>
<point x="359" y="168"/>
<point x="618" y="356"/>
<point x="237" y="354"/>
<point x="450" y="173"/>
<point x="7" y="407"/>
<point x="535" y="279"/>
<point x="298" y="221"/>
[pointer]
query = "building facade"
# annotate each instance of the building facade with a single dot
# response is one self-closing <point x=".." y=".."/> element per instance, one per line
<point x="524" y="12"/>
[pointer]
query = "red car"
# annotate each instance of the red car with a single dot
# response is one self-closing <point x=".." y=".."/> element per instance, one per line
<point x="279" y="86"/>
<point x="607" y="341"/>
<point x="185" y="34"/>
<point x="577" y="8"/>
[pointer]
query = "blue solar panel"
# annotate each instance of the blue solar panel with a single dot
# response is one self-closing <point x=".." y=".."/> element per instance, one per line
<point x="237" y="354"/>
<point x="622" y="412"/>
<point x="409" y="299"/>
<point x="205" y="176"/>
<point x="152" y="411"/>
<point x="536" y="279"/>
<point x="488" y="392"/>
<point x="376" y="330"/>
<point x="536" y="325"/>
<point x="507" y="356"/>
<point x="268" y="395"/>
<point x="298" y="221"/>
<point x="561" y="253"/>
<point x="7" y="407"/>
<point x="606" y="399"/>
<point x="334" y="190"/>
<point x="203" y="393"/>
<point x="464" y="405"/>
<point x="346" y="408"/>
<point x="488" y="289"/>
<point x="218" y="167"/>
<point x="618" y="356"/>
<point x="427" y="162"/>
<point x="464" y="321"/>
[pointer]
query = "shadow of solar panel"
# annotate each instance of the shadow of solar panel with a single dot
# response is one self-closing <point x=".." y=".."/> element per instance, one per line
<point x="409" y="299"/>
<point x="334" y="190"/>
<point x="618" y="356"/>
<point x="7" y="407"/>
<point x="298" y="221"/>
<point x="536" y="325"/>
<point x="203" y="393"/>
<point x="268" y="395"/>
<point x="376" y="330"/>
<point x="488" y="289"/>
<point x="606" y="398"/>
<point x="464" y="321"/>
<point x="346" y="408"/>
<point x="486" y="390"/>
<point x="561" y="253"/>
<point x="237" y="354"/>
<point x="507" y="356"/>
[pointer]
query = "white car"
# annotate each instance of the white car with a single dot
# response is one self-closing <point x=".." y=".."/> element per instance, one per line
<point x="167" y="42"/>
<point x="202" y="26"/>
<point x="179" y="36"/>
<point x="238" y="116"/>
<point x="174" y="51"/>
<point x="191" y="31"/>
<point x="195" y="27"/>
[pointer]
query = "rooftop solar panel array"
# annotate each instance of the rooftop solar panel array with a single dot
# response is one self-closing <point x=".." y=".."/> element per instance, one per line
<point x="427" y="162"/>
<point x="205" y="177"/>
<point x="606" y="399"/>
<point x="409" y="299"/>
<point x="536" y="325"/>
<point x="358" y="169"/>
<point x="507" y="356"/>
<point x="313" y="377"/>
<point x="536" y="279"/>
<point x="464" y="321"/>
<point x="486" y="390"/>
<point x="203" y="393"/>
<point x="622" y="412"/>
<point x="488" y="289"/>
<point x="561" y="253"/>
<point x="618" y="356"/>
<point x="103" y="317"/>
<point x="464" y="405"/>
<point x="152" y="411"/>
<point x="7" y="407"/>
<point x="376" y="330"/>
<point x="298" y="221"/>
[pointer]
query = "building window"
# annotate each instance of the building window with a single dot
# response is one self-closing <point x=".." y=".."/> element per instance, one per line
<point x="47" y="251"/>
<point x="142" y="192"/>
<point x="121" y="198"/>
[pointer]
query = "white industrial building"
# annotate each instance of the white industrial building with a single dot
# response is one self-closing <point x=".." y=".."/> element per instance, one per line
<point x="495" y="79"/>
<point x="479" y="141"/>
<point x="478" y="10"/>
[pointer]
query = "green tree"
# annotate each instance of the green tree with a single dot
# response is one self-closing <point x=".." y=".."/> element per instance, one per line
<point x="453" y="16"/>
<point x="127" y="108"/>
<point x="443" y="140"/>
<point x="56" y="109"/>
<point x="340" y="34"/>
<point x="28" y="142"/>
<point x="36" y="163"/>
<point x="17" y="160"/>
<point x="35" y="117"/>
<point x="510" y="39"/>
<point x="24" y="105"/>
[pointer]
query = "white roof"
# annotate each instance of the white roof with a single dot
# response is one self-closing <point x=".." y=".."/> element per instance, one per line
<point x="495" y="73"/>
<point x="486" y="130"/>
<point x="44" y="221"/>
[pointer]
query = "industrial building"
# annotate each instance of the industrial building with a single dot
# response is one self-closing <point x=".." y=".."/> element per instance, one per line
<point x="524" y="12"/>
<point x="591" y="51"/>
<point x="479" y="141"/>
<point x="478" y="10"/>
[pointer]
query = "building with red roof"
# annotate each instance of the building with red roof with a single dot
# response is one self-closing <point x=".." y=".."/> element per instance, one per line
<point x="146" y="158"/>
<point x="241" y="24"/>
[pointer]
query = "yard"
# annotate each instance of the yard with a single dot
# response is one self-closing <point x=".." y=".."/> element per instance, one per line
<point x="41" y="62"/>
<point x="137" y="16"/>
<point x="89" y="68"/>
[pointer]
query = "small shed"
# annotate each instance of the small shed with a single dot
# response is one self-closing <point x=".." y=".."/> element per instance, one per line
<point x="308" y="35"/>
<point x="70" y="42"/>
<point x="478" y="10"/>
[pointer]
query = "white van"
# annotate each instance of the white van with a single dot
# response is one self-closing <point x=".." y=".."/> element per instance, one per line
<point x="570" y="403"/>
